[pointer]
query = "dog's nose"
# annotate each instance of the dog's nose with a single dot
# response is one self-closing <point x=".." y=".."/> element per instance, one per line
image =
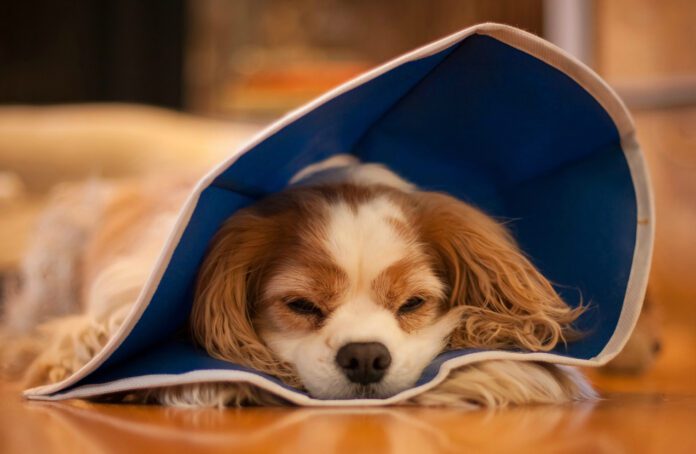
<point x="364" y="362"/>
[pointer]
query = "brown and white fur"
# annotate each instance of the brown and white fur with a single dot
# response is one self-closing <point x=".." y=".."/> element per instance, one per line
<point x="349" y="254"/>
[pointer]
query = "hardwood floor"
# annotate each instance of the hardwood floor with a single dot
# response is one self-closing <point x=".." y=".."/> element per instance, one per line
<point x="624" y="422"/>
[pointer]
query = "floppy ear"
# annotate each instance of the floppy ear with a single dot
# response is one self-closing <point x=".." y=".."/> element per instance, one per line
<point x="505" y="300"/>
<point x="226" y="292"/>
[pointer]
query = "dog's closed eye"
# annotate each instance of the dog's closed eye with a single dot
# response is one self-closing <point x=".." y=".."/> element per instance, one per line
<point x="411" y="305"/>
<point x="305" y="307"/>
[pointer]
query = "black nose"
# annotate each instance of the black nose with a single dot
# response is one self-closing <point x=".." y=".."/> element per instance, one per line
<point x="364" y="362"/>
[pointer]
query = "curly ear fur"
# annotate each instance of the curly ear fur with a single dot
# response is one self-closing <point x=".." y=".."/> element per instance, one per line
<point x="506" y="301"/>
<point x="228" y="286"/>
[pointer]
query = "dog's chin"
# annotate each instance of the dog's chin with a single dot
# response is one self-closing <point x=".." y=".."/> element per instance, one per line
<point x="346" y="391"/>
<point x="355" y="392"/>
<point x="368" y="392"/>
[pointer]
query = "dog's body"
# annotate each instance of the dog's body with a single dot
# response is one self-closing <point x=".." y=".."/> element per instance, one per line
<point x="346" y="284"/>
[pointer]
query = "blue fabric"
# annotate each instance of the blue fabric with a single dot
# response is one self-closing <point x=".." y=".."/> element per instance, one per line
<point x="480" y="120"/>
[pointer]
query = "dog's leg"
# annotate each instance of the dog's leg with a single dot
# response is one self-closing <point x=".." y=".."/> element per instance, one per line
<point x="49" y="282"/>
<point x="67" y="344"/>
<point x="88" y="267"/>
<point x="70" y="342"/>
<point x="208" y="395"/>
<point x="50" y="278"/>
<point x="502" y="383"/>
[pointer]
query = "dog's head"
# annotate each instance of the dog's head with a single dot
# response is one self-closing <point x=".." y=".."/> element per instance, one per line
<point x="351" y="290"/>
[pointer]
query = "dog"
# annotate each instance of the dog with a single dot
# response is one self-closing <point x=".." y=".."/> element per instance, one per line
<point x="346" y="284"/>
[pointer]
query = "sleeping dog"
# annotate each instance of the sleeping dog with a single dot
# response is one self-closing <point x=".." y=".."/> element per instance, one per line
<point x="347" y="284"/>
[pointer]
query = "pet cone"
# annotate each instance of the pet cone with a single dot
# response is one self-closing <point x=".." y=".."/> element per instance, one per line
<point x="492" y="115"/>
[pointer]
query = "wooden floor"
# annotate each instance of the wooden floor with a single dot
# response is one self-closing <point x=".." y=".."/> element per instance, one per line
<point x="625" y="422"/>
<point x="653" y="413"/>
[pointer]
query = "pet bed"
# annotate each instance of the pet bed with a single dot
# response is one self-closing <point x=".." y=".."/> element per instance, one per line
<point x="492" y="115"/>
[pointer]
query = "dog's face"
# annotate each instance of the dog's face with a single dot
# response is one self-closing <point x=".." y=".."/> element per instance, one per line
<point x="355" y="302"/>
<point x="351" y="291"/>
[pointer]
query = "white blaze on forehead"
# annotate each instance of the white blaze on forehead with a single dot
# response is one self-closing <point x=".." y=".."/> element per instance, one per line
<point x="362" y="241"/>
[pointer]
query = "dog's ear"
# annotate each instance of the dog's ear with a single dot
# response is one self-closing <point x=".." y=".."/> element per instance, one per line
<point x="227" y="290"/>
<point x="505" y="300"/>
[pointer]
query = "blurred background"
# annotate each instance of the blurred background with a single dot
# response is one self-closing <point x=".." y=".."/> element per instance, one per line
<point x="117" y="88"/>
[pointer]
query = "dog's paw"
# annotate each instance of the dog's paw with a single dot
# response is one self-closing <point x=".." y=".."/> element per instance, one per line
<point x="209" y="395"/>
<point x="68" y="343"/>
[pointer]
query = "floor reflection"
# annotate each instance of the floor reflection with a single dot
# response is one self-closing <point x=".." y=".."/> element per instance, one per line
<point x="110" y="428"/>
